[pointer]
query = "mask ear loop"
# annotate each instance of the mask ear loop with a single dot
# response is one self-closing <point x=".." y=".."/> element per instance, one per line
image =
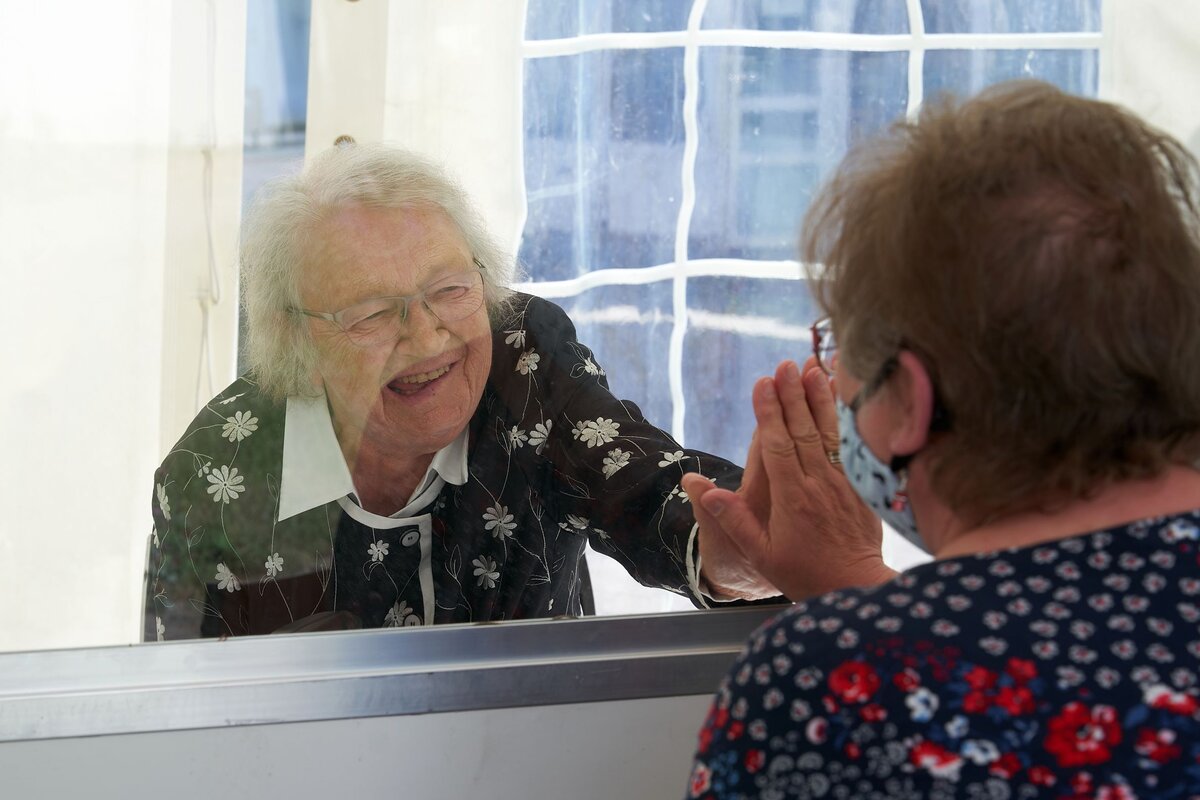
<point x="899" y="466"/>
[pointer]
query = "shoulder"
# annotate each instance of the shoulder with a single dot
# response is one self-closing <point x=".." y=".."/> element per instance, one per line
<point x="239" y="417"/>
<point x="538" y="318"/>
<point x="535" y="340"/>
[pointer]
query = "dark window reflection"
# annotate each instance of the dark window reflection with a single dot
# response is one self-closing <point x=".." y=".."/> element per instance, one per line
<point x="276" y="110"/>
<point x="964" y="72"/>
<point x="1011" y="16"/>
<point x="773" y="124"/>
<point x="603" y="155"/>
<point x="559" y="19"/>
<point x="832" y="16"/>
<point x="739" y="329"/>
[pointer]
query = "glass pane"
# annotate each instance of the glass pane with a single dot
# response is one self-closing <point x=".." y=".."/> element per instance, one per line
<point x="964" y="72"/>
<point x="773" y="123"/>
<point x="603" y="154"/>
<point x="559" y="19"/>
<point x="1010" y="16"/>
<point x="276" y="112"/>
<point x="739" y="329"/>
<point x="867" y="16"/>
<point x="629" y="330"/>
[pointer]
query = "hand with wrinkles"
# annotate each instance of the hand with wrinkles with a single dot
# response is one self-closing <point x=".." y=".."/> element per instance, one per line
<point x="795" y="523"/>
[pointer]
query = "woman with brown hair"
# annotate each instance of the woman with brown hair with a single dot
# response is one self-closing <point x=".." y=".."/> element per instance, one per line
<point x="1012" y="286"/>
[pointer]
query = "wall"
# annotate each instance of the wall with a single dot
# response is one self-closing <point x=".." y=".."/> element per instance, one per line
<point x="625" y="749"/>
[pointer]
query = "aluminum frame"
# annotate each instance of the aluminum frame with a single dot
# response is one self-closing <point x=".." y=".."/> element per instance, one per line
<point x="322" y="676"/>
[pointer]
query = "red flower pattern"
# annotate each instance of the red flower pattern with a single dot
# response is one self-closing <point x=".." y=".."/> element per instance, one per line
<point x="1081" y="736"/>
<point x="939" y="761"/>
<point x="854" y="682"/>
<point x="1006" y="766"/>
<point x="1016" y="700"/>
<point x="1157" y="745"/>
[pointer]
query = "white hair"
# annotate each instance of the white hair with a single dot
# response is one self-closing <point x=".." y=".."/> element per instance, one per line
<point x="281" y="222"/>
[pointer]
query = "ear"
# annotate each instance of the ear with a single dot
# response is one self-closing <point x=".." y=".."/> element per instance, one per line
<point x="912" y="391"/>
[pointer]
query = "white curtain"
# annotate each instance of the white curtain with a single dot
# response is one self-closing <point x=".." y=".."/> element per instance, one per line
<point x="120" y="173"/>
<point x="443" y="79"/>
<point x="1151" y="63"/>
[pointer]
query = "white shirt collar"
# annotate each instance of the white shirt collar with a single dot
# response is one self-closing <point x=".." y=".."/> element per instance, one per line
<point x="315" y="473"/>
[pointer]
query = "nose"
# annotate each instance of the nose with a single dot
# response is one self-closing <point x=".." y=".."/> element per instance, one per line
<point x="424" y="332"/>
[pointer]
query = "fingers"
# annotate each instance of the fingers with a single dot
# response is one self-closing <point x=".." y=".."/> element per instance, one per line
<point x="778" y="449"/>
<point x="810" y="448"/>
<point x="823" y="407"/>
<point x="728" y="513"/>
<point x="756" y="489"/>
<point x="698" y="488"/>
<point x="696" y="485"/>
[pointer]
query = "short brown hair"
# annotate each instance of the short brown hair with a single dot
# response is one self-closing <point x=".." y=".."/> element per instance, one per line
<point x="1039" y="252"/>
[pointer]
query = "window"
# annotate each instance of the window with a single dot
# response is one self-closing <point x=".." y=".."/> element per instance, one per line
<point x="670" y="156"/>
<point x="122" y="126"/>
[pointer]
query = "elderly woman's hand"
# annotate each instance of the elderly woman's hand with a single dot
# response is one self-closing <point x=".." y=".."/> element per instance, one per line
<point x="796" y="522"/>
<point x="727" y="573"/>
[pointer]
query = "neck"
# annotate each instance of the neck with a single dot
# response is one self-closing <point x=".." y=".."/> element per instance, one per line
<point x="1175" y="490"/>
<point x="384" y="477"/>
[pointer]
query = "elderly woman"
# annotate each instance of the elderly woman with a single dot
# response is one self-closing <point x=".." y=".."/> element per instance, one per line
<point x="1013" y="288"/>
<point x="414" y="443"/>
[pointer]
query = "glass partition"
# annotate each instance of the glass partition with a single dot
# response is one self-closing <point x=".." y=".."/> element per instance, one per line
<point x="647" y="163"/>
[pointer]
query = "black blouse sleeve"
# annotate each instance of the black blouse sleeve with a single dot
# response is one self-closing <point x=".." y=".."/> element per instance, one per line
<point x="615" y="475"/>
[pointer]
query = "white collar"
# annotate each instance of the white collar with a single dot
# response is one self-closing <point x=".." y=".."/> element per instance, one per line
<point x="314" y="470"/>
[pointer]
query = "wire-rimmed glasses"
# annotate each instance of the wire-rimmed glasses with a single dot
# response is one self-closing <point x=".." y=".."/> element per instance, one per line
<point x="384" y="319"/>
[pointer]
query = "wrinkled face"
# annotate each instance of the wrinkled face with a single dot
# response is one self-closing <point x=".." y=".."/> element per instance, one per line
<point x="413" y="394"/>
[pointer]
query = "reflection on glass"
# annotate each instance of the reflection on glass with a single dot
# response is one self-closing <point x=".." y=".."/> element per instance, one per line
<point x="629" y="329"/>
<point x="555" y="19"/>
<point x="452" y="470"/>
<point x="964" y="72"/>
<point x="773" y="123"/>
<point x="603" y="164"/>
<point x="603" y="154"/>
<point x="864" y="16"/>
<point x="1010" y="16"/>
<point x="739" y="329"/>
<point x="276" y="108"/>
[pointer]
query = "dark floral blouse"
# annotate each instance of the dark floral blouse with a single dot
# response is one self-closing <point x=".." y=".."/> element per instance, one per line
<point x="554" y="461"/>
<point x="1064" y="670"/>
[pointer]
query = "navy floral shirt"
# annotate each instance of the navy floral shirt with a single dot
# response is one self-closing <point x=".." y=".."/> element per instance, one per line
<point x="1063" y="670"/>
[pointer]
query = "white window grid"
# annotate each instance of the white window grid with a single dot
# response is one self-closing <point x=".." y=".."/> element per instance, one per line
<point x="916" y="43"/>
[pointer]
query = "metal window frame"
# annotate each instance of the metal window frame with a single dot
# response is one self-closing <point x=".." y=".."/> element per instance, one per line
<point x="324" y="676"/>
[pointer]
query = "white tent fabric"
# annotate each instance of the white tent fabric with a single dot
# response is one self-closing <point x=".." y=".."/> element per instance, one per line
<point x="120" y="181"/>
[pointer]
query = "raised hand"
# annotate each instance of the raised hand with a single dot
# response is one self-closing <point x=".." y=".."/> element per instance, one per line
<point x="796" y="524"/>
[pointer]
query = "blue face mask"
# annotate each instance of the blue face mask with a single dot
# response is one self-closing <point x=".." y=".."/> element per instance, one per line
<point x="875" y="482"/>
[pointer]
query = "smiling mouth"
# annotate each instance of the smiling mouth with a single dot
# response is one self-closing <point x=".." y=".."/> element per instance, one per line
<point x="411" y="384"/>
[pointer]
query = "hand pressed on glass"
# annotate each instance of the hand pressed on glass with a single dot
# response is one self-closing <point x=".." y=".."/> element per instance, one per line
<point x="796" y="521"/>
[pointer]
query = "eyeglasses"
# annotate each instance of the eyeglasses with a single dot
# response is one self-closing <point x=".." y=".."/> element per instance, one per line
<point x="383" y="319"/>
<point x="824" y="345"/>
